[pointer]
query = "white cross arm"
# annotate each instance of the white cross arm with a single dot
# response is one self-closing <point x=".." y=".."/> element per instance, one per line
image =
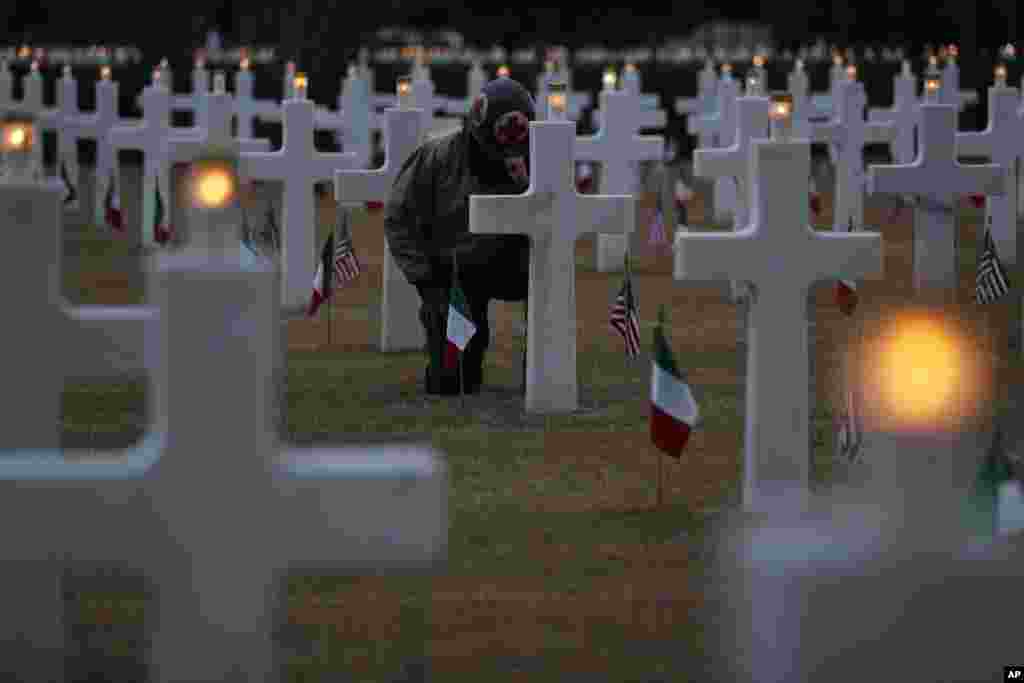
<point x="184" y="102"/>
<point x="357" y="186"/>
<point x="687" y="105"/>
<point x="879" y="132"/>
<point x="882" y="115"/>
<point x="704" y="124"/>
<point x="827" y="132"/>
<point x="718" y="256"/>
<point x="184" y="150"/>
<point x="50" y="119"/>
<point x="531" y="214"/>
<point x="845" y="255"/>
<point x="607" y="214"/>
<point x="109" y="341"/>
<point x="311" y="479"/>
<point x="987" y="179"/>
<point x="718" y="162"/>
<point x="975" y="143"/>
<point x="275" y="166"/>
<point x="129" y="137"/>
<point x="45" y="480"/>
<point x="258" y="108"/>
<point x="535" y="214"/>
<point x="597" y="148"/>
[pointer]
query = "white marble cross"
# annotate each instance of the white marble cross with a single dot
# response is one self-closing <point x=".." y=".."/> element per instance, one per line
<point x="298" y="166"/>
<point x="190" y="102"/>
<point x="799" y="89"/>
<point x="247" y="107"/>
<point x="950" y="92"/>
<point x="848" y="133"/>
<point x="103" y="341"/>
<point x="782" y="256"/>
<point x="733" y="162"/>
<point x="904" y="115"/>
<point x="618" y="148"/>
<point x="213" y="518"/>
<point x="359" y="118"/>
<point x="152" y="137"/>
<point x="400" y="326"/>
<point x="937" y="179"/>
<point x="32" y="104"/>
<point x="67" y="138"/>
<point x="631" y="83"/>
<point x="554" y="216"/>
<point x="724" y="196"/>
<point x="97" y="125"/>
<point x="1002" y="141"/>
<point x="702" y="105"/>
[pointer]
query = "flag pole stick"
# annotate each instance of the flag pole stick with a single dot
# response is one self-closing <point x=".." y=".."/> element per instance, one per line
<point x="462" y="371"/>
<point x="657" y="454"/>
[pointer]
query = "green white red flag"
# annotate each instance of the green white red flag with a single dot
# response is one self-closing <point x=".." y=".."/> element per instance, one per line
<point x="460" y="326"/>
<point x="674" y="412"/>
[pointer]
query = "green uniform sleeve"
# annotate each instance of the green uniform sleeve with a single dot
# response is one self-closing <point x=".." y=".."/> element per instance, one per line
<point x="408" y="213"/>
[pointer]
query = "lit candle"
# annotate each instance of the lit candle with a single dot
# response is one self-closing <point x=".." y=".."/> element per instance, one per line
<point x="1000" y="76"/>
<point x="104" y="73"/>
<point x="753" y="85"/>
<point x="17" y="144"/>
<point x="404" y="91"/>
<point x="65" y="72"/>
<point x="726" y="70"/>
<point x="503" y="71"/>
<point x="557" y="101"/>
<point x="907" y="73"/>
<point x="932" y="84"/>
<point x="610" y="78"/>
<point x="200" y="61"/>
<point x="301" y="83"/>
<point x="952" y="54"/>
<point x="220" y="83"/>
<point x="213" y="185"/>
<point x="781" y="116"/>
<point x="244" y="64"/>
<point x="851" y="73"/>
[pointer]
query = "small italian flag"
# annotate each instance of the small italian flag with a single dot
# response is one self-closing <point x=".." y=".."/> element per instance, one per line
<point x="846" y="296"/>
<point x="112" y="206"/>
<point x="673" y="410"/>
<point x="161" y="231"/>
<point x="460" y="327"/>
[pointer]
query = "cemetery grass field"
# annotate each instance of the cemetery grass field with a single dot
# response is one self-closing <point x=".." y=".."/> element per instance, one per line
<point x="559" y="565"/>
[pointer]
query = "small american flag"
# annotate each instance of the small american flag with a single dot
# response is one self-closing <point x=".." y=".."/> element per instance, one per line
<point x="346" y="263"/>
<point x="624" y="317"/>
<point x="850" y="434"/>
<point x="991" y="282"/>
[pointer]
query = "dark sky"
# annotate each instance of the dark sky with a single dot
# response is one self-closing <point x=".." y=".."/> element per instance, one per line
<point x="326" y="24"/>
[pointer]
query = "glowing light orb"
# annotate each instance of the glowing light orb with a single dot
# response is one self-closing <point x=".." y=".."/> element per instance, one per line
<point x="17" y="137"/>
<point x="214" y="188"/>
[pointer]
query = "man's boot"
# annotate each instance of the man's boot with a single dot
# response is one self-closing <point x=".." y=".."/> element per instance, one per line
<point x="437" y="379"/>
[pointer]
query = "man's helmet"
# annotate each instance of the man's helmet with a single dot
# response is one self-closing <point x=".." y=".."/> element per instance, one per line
<point x="499" y="122"/>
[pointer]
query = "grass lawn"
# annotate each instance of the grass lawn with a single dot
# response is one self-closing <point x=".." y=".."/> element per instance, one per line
<point x="559" y="566"/>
